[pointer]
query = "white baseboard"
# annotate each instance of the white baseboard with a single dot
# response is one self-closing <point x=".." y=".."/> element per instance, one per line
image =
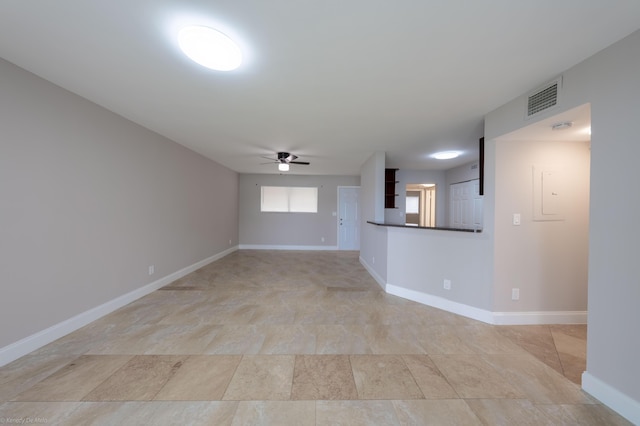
<point x="441" y="303"/>
<point x="277" y="247"/>
<point x="496" y="318"/>
<point x="381" y="281"/>
<point x="35" y="341"/>
<point x="540" y="318"/>
<point x="612" y="398"/>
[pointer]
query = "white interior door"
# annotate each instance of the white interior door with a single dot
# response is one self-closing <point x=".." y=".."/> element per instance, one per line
<point x="466" y="205"/>
<point x="348" y="218"/>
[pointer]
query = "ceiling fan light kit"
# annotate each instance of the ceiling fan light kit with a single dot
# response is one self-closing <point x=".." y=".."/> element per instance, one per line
<point x="284" y="159"/>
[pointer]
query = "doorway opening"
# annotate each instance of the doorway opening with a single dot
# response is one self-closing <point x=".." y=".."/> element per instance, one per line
<point x="541" y="206"/>
<point x="420" y="204"/>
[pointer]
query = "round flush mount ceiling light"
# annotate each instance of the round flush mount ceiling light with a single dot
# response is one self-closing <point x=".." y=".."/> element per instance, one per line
<point x="210" y="48"/>
<point x="446" y="155"/>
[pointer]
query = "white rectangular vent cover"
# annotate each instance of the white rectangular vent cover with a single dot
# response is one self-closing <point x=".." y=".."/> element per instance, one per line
<point x="543" y="99"/>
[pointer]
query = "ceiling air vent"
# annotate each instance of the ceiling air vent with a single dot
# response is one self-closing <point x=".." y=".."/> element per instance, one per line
<point x="543" y="99"/>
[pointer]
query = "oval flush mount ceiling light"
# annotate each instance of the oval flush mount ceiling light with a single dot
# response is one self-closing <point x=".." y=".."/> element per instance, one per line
<point x="210" y="48"/>
<point x="446" y="155"/>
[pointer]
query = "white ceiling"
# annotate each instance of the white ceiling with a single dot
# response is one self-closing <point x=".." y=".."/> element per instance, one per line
<point x="579" y="130"/>
<point x="331" y="81"/>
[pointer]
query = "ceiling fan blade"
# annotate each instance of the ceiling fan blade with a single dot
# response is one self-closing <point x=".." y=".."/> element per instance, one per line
<point x="285" y="158"/>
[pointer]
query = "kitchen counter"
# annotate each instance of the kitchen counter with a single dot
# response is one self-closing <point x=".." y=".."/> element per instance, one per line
<point x="438" y="228"/>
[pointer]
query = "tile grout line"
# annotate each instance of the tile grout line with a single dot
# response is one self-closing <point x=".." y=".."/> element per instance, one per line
<point x="555" y="348"/>
<point x="411" y="374"/>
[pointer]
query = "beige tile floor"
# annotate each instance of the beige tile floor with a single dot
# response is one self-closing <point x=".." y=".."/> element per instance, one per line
<point x="297" y="338"/>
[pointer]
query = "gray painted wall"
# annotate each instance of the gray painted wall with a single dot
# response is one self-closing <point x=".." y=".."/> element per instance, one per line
<point x="463" y="173"/>
<point x="546" y="260"/>
<point x="89" y="200"/>
<point x="610" y="81"/>
<point x="373" y="239"/>
<point x="290" y="229"/>
<point x="421" y="259"/>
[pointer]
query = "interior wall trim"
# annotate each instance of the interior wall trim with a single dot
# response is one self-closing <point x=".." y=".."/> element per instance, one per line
<point x="441" y="303"/>
<point x="37" y="340"/>
<point x="495" y="318"/>
<point x="621" y="403"/>
<point x="540" y="318"/>
<point x="285" y="247"/>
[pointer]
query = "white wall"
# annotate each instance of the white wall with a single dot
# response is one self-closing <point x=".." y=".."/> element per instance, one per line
<point x="546" y="260"/>
<point x="463" y="173"/>
<point x="88" y="200"/>
<point x="373" y="239"/>
<point x="610" y="82"/>
<point x="372" y="188"/>
<point x="269" y="229"/>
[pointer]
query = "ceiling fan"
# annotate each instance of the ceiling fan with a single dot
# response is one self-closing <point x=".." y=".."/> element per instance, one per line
<point x="283" y="159"/>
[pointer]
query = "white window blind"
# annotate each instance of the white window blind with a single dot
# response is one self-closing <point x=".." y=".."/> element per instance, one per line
<point x="413" y="204"/>
<point x="289" y="199"/>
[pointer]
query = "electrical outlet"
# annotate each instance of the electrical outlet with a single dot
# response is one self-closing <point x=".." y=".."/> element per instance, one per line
<point x="322" y="239"/>
<point x="373" y="260"/>
<point x="447" y="284"/>
<point x="230" y="242"/>
<point x="152" y="269"/>
<point x="515" y="294"/>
